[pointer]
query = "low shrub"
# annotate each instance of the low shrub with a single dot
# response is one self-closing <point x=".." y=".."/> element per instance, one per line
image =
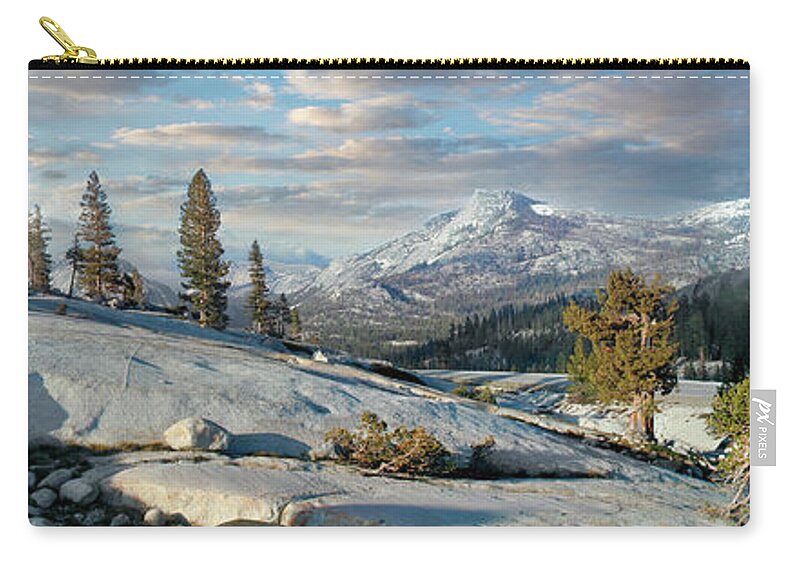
<point x="482" y="394"/>
<point x="413" y="451"/>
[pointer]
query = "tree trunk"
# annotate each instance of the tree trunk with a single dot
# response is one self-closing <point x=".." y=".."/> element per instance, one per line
<point x="640" y="421"/>
<point x="71" y="282"/>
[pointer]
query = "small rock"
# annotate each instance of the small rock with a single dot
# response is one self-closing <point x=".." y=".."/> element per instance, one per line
<point x="696" y="472"/>
<point x="155" y="517"/>
<point x="31" y="480"/>
<point x="56" y="479"/>
<point x="95" y="517"/>
<point x="79" y="491"/>
<point x="44" y="498"/>
<point x="34" y="511"/>
<point x="121" y="520"/>
<point x="319" y="356"/>
<point x="40" y="521"/>
<point x="328" y="450"/>
<point x="197" y="433"/>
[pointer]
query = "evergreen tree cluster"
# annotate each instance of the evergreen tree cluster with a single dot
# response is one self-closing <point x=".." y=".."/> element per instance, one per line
<point x="524" y="338"/>
<point x="94" y="262"/>
<point x="713" y="324"/>
<point x="273" y="318"/>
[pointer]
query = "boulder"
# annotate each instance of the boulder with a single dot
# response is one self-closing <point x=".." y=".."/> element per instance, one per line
<point x="326" y="450"/>
<point x="95" y="517"/>
<point x="121" y="520"/>
<point x="57" y="478"/>
<point x="155" y="517"/>
<point x="44" y="498"/>
<point x="197" y="433"/>
<point x="79" y="491"/>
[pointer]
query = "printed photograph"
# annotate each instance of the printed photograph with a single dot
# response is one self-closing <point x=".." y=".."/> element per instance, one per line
<point x="388" y="297"/>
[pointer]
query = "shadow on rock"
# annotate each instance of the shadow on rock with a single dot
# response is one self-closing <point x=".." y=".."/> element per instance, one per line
<point x="45" y="414"/>
<point x="267" y="443"/>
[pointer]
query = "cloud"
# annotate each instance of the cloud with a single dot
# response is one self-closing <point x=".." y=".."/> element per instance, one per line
<point x="185" y="135"/>
<point x="48" y="98"/>
<point x="53" y="174"/>
<point x="195" y="103"/>
<point x="259" y="96"/>
<point x="687" y="116"/>
<point x="43" y="157"/>
<point x="381" y="113"/>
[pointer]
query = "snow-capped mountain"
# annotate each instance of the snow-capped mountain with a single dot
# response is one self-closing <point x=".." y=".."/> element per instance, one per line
<point x="503" y="247"/>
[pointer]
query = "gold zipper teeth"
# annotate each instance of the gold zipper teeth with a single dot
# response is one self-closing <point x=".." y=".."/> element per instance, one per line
<point x="442" y="63"/>
<point x="81" y="57"/>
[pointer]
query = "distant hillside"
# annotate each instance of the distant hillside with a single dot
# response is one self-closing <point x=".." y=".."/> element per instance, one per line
<point x="712" y="321"/>
<point x="506" y="248"/>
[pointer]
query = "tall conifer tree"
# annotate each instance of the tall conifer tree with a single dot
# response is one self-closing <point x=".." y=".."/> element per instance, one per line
<point x="295" y="326"/>
<point x="257" y="299"/>
<point x="200" y="256"/>
<point x="39" y="260"/>
<point x="99" y="274"/>
<point x="73" y="256"/>
<point x="632" y="346"/>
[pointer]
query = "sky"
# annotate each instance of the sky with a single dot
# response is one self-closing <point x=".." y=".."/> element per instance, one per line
<point x="322" y="164"/>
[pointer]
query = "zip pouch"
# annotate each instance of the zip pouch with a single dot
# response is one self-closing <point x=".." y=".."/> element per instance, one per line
<point x="379" y="292"/>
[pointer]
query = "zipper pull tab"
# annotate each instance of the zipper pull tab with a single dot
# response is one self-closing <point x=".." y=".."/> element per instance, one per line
<point x="72" y="52"/>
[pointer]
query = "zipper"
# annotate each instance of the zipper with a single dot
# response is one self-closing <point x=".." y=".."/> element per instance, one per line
<point x="79" y="57"/>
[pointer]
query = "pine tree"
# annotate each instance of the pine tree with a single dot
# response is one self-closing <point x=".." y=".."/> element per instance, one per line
<point x="631" y="338"/>
<point x="133" y="292"/>
<point x="39" y="260"/>
<point x="284" y="314"/>
<point x="295" y="326"/>
<point x="200" y="256"/>
<point x="73" y="256"/>
<point x="99" y="274"/>
<point x="279" y="317"/>
<point x="257" y="301"/>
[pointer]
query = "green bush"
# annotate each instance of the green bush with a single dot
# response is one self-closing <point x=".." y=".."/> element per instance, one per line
<point x="730" y="419"/>
<point x="403" y="450"/>
<point x="479" y="394"/>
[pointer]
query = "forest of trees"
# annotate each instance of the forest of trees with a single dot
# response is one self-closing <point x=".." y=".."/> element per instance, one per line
<point x="93" y="260"/>
<point x="711" y="323"/>
<point x="524" y="338"/>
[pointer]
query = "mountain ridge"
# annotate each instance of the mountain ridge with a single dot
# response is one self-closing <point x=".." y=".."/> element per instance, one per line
<point x="504" y="246"/>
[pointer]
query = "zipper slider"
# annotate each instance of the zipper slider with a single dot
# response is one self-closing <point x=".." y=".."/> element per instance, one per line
<point x="72" y="52"/>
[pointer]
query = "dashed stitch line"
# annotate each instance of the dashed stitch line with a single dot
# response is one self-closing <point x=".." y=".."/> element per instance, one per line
<point x="392" y="77"/>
